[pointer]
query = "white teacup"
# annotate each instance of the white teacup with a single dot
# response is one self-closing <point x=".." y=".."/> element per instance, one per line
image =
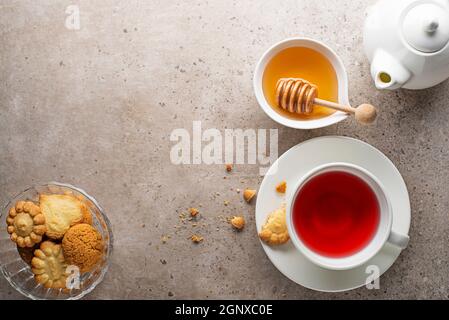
<point x="383" y="235"/>
<point x="333" y="58"/>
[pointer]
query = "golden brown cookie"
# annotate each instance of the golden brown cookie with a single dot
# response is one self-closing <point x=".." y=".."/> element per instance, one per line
<point x="83" y="247"/>
<point x="62" y="211"/>
<point x="26" y="224"/>
<point x="275" y="232"/>
<point x="49" y="266"/>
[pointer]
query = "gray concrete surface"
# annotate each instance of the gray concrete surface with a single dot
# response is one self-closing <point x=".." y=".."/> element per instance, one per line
<point x="95" y="108"/>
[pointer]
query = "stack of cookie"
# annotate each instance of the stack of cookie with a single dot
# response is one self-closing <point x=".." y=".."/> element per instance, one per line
<point x="54" y="234"/>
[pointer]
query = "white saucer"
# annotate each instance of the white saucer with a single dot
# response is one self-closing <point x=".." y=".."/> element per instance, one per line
<point x="298" y="161"/>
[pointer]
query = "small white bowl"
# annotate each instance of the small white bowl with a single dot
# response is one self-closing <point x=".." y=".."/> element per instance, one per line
<point x="341" y="76"/>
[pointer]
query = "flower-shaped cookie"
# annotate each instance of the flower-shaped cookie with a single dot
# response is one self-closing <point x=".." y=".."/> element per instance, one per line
<point x="49" y="266"/>
<point x="26" y="224"/>
<point x="275" y="231"/>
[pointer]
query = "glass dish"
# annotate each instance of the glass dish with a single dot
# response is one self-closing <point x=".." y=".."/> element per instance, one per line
<point x="18" y="273"/>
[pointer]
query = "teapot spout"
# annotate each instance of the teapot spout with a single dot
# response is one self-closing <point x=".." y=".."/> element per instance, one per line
<point x="388" y="73"/>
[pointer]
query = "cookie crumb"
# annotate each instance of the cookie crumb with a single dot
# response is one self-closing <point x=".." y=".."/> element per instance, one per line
<point x="197" y="239"/>
<point x="194" y="212"/>
<point x="238" y="223"/>
<point x="282" y="187"/>
<point x="249" y="194"/>
<point x="226" y="203"/>
<point x="164" y="239"/>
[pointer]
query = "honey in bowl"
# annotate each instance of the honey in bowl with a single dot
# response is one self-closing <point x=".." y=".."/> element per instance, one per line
<point x="303" y="63"/>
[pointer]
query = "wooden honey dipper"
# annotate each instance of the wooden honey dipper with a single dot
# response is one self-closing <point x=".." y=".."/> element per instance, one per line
<point x="299" y="96"/>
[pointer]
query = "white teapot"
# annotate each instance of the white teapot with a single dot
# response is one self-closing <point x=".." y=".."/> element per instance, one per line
<point x="407" y="43"/>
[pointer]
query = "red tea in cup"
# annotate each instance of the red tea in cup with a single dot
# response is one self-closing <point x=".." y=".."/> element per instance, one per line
<point x="336" y="214"/>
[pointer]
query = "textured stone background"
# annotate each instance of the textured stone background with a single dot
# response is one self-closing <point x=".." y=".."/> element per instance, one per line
<point x="95" y="108"/>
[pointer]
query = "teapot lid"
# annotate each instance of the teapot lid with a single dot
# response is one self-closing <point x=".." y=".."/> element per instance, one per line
<point x="426" y="27"/>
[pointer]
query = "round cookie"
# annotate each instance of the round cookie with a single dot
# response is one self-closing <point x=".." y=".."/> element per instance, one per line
<point x="83" y="247"/>
<point x="49" y="266"/>
<point x="26" y="224"/>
